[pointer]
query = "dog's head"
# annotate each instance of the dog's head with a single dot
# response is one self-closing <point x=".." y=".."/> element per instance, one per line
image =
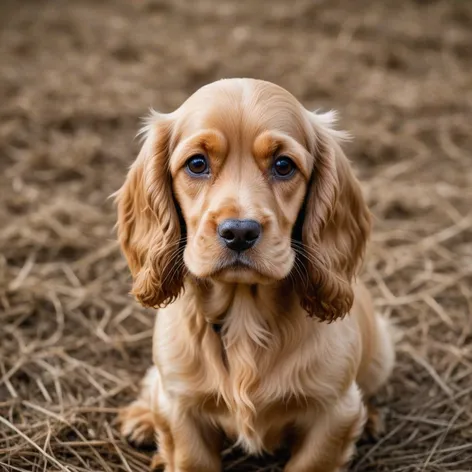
<point x="243" y="185"/>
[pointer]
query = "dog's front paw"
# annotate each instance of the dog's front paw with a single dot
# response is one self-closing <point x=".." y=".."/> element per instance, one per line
<point x="137" y="424"/>
<point x="375" y="425"/>
<point x="158" y="464"/>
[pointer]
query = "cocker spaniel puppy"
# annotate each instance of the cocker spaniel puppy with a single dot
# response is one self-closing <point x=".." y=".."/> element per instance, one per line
<point x="242" y="221"/>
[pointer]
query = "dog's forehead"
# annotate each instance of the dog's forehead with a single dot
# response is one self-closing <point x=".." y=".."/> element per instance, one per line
<point x="244" y="108"/>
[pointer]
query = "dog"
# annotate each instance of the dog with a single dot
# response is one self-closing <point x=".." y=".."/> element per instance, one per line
<point x="242" y="222"/>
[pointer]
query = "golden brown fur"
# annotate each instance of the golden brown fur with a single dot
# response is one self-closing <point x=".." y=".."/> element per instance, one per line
<point x="275" y="370"/>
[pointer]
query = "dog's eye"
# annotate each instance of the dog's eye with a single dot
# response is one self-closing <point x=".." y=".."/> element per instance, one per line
<point x="284" y="167"/>
<point x="198" y="165"/>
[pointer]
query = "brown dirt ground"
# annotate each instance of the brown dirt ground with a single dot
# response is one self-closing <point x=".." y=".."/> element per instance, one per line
<point x="75" y="78"/>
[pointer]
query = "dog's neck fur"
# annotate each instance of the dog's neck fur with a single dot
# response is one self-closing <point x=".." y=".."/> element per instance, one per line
<point x="250" y="318"/>
<point x="219" y="302"/>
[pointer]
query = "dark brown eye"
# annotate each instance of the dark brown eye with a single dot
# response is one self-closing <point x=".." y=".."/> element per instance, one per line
<point x="198" y="165"/>
<point x="284" y="167"/>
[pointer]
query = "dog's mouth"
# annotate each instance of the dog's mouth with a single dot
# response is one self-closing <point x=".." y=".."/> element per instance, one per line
<point x="239" y="268"/>
<point x="243" y="269"/>
<point x="237" y="263"/>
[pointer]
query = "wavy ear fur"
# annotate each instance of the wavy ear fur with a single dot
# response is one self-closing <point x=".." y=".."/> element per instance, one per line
<point x="149" y="228"/>
<point x="336" y="226"/>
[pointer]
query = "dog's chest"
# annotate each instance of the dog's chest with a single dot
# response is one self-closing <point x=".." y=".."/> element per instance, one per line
<point x="261" y="430"/>
<point x="256" y="420"/>
<point x="254" y="401"/>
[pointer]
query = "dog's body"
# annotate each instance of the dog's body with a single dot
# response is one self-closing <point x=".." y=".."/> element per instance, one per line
<point x="235" y="352"/>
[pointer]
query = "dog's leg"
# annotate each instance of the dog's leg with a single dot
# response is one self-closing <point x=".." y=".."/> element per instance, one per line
<point x="327" y="445"/>
<point x="196" y="445"/>
<point x="185" y="444"/>
<point x="382" y="358"/>
<point x="142" y="424"/>
<point x="137" y="422"/>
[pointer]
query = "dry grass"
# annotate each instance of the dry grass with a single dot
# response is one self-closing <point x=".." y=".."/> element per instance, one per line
<point x="75" y="77"/>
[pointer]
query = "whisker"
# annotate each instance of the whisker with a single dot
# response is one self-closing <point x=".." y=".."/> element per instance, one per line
<point x="175" y="252"/>
<point x="302" y="273"/>
<point x="178" y="266"/>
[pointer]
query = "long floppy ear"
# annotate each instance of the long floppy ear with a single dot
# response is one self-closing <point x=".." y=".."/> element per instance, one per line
<point x="336" y="226"/>
<point x="149" y="228"/>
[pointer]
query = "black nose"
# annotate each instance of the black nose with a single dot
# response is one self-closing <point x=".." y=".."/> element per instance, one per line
<point x="239" y="235"/>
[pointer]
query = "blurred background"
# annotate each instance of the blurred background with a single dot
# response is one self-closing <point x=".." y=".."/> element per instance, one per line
<point x="75" y="78"/>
